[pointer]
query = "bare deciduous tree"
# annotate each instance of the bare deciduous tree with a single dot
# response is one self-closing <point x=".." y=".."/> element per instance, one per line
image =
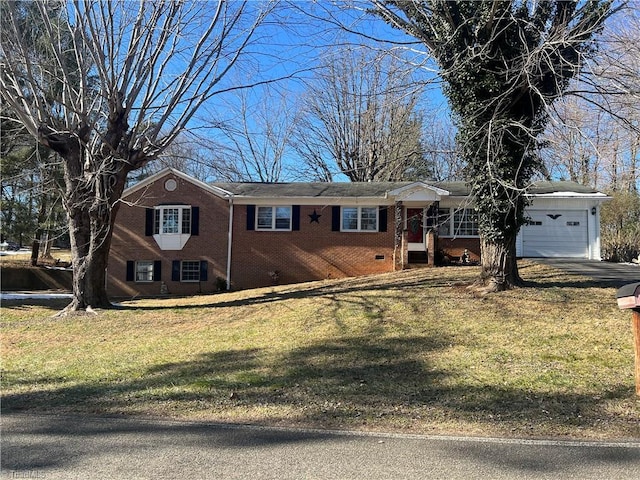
<point x="255" y="136"/>
<point x="131" y="76"/>
<point x="359" y="118"/>
<point x="188" y="153"/>
<point x="441" y="151"/>
<point x="578" y="142"/>
<point x="594" y="135"/>
<point x="616" y="77"/>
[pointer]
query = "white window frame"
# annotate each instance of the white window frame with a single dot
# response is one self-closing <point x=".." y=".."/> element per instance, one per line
<point x="174" y="240"/>
<point x="158" y="219"/>
<point x="452" y="217"/>
<point x="140" y="271"/>
<point x="274" y="218"/>
<point x="461" y="216"/>
<point x="359" y="211"/>
<point x="182" y="271"/>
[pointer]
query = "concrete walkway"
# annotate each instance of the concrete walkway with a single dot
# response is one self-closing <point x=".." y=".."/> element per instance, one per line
<point x="82" y="447"/>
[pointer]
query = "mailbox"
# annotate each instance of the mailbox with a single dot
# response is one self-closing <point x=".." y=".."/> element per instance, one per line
<point x="628" y="296"/>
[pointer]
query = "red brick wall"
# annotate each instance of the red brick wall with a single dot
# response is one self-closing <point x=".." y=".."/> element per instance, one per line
<point x="312" y="253"/>
<point x="130" y="243"/>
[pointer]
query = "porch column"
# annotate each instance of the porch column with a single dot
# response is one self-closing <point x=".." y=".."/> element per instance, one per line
<point x="399" y="243"/>
<point x="431" y="244"/>
<point x="431" y="237"/>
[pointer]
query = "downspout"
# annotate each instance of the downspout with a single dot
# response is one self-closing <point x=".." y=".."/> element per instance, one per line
<point x="229" y="242"/>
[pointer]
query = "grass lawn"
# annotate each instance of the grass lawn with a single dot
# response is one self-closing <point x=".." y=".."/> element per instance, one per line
<point x="411" y="351"/>
<point x="23" y="258"/>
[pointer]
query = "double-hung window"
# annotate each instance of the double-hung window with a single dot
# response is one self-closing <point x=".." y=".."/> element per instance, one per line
<point x="144" y="271"/>
<point x="273" y="218"/>
<point x="190" y="271"/>
<point x="466" y="222"/>
<point x="457" y="223"/>
<point x="359" y="219"/>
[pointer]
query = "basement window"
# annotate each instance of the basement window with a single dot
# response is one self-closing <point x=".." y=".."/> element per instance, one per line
<point x="190" y="271"/>
<point x="144" y="271"/>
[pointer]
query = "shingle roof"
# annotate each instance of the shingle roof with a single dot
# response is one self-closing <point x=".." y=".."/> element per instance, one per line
<point x="561" y="187"/>
<point x="371" y="189"/>
<point x="312" y="189"/>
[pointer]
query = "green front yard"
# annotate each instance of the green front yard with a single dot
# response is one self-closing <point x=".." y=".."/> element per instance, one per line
<point x="412" y="351"/>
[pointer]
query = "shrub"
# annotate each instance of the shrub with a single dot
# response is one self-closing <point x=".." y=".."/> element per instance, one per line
<point x="620" y="227"/>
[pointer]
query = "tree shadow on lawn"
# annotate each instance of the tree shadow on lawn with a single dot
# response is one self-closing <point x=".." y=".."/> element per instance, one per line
<point x="369" y="284"/>
<point x="354" y="382"/>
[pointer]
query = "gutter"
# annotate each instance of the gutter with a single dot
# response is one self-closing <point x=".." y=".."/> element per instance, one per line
<point x="229" y="242"/>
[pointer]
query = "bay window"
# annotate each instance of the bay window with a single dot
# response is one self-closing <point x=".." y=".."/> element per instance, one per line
<point x="172" y="220"/>
<point x="172" y="225"/>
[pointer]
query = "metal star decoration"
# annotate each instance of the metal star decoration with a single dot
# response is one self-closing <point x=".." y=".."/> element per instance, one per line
<point x="315" y="217"/>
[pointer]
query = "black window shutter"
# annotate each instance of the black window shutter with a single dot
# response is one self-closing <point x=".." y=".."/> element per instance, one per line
<point x="295" y="217"/>
<point x="175" y="270"/>
<point x="157" y="270"/>
<point x="195" y="220"/>
<point x="204" y="270"/>
<point x="131" y="265"/>
<point x="251" y="217"/>
<point x="382" y="219"/>
<point x="148" y="222"/>
<point x="335" y="219"/>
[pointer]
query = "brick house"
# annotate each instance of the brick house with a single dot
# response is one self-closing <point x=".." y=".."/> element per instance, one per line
<point x="177" y="235"/>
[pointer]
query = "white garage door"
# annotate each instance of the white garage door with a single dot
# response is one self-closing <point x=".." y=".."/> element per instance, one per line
<point x="556" y="233"/>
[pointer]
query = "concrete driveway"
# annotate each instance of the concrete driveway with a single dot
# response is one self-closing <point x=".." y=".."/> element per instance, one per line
<point x="600" y="274"/>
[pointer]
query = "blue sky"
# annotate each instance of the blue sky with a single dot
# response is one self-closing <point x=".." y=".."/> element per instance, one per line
<point x="291" y="43"/>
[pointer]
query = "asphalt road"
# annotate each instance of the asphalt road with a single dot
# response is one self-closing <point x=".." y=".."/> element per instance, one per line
<point x="85" y="447"/>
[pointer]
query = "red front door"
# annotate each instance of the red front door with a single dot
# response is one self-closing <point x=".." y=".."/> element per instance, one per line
<point x="415" y="234"/>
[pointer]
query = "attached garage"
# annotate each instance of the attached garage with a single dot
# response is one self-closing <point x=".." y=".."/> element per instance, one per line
<point x="556" y="233"/>
<point x="564" y="222"/>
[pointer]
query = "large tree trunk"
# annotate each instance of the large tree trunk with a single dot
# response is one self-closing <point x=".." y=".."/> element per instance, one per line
<point x="93" y="187"/>
<point x="499" y="269"/>
<point x="89" y="254"/>
<point x="91" y="220"/>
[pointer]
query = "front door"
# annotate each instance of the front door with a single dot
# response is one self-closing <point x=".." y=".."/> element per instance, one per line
<point x="415" y="232"/>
